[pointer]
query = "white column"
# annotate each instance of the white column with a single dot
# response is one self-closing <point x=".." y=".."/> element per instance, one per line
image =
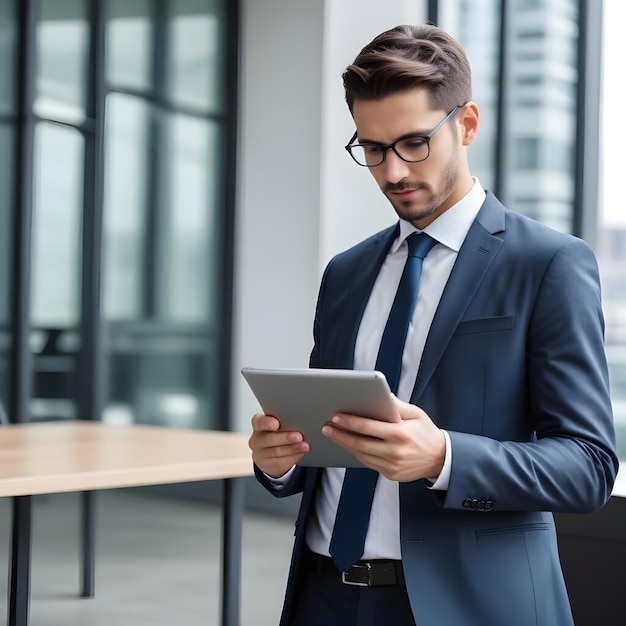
<point x="352" y="206"/>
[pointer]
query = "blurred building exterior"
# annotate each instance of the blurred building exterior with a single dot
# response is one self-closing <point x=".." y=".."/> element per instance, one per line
<point x="173" y="181"/>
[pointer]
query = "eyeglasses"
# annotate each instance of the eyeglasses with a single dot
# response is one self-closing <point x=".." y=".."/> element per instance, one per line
<point x="411" y="148"/>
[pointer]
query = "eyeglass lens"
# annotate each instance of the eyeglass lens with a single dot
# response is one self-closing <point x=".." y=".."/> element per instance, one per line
<point x="411" y="149"/>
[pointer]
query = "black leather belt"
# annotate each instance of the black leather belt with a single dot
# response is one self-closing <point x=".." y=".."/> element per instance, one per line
<point x="362" y="573"/>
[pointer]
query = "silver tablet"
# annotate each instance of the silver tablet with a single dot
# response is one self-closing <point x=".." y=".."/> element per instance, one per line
<point x="304" y="399"/>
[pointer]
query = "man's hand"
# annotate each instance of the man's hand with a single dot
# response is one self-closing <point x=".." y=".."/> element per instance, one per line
<point x="275" y="451"/>
<point x="409" y="450"/>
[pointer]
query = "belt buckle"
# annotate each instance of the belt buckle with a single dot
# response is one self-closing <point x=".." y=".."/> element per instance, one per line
<point x="355" y="583"/>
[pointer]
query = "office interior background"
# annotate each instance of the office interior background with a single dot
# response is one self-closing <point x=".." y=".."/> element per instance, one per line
<point x="173" y="181"/>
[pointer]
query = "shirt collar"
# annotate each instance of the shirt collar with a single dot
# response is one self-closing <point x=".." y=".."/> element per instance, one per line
<point x="451" y="227"/>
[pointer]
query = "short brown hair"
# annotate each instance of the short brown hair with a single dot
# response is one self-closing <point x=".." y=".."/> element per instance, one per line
<point x="411" y="56"/>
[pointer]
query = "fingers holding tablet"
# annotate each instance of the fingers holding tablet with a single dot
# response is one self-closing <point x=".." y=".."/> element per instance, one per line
<point x="304" y="399"/>
<point x="275" y="451"/>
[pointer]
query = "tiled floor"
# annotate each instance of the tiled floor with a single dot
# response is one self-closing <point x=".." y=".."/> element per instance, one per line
<point x="157" y="562"/>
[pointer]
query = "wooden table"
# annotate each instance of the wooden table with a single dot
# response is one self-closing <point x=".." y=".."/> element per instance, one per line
<point x="53" y="457"/>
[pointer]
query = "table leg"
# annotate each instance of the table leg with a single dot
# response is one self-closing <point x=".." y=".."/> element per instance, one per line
<point x="19" y="574"/>
<point x="88" y="543"/>
<point x="232" y="529"/>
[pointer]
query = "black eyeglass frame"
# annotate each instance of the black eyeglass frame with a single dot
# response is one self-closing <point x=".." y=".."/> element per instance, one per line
<point x="392" y="146"/>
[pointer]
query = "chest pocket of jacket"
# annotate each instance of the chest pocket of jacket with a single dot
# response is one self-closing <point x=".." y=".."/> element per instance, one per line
<point x="485" y="325"/>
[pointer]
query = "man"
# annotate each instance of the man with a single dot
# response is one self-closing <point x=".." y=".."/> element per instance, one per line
<point x="503" y="388"/>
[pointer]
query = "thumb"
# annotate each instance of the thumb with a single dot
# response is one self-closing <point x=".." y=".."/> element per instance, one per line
<point x="409" y="411"/>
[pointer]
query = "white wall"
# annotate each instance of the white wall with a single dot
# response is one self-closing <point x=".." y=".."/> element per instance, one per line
<point x="297" y="206"/>
<point x="352" y="207"/>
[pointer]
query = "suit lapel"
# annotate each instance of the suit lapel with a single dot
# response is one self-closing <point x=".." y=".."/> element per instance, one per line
<point x="357" y="294"/>
<point x="474" y="259"/>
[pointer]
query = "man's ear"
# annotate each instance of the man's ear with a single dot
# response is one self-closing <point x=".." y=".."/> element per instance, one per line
<point x="468" y="120"/>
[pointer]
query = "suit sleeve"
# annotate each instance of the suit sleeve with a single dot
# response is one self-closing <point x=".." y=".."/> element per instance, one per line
<point x="571" y="463"/>
<point x="294" y="485"/>
<point x="314" y="358"/>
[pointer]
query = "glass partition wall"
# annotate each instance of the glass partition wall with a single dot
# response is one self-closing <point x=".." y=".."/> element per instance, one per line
<point x="8" y="157"/>
<point x="166" y="138"/>
<point x="133" y="136"/>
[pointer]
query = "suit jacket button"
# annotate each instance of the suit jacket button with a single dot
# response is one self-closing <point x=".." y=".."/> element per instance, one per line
<point x="474" y="503"/>
<point x="481" y="504"/>
<point x="489" y="505"/>
<point x="467" y="503"/>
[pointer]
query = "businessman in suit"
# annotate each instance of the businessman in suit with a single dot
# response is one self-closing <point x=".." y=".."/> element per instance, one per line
<point x="502" y="383"/>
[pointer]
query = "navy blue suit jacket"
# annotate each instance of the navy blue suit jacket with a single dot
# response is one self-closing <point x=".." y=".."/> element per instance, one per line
<point x="514" y="369"/>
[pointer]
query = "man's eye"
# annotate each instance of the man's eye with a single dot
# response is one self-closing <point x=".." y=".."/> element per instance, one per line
<point x="371" y="148"/>
<point x="413" y="143"/>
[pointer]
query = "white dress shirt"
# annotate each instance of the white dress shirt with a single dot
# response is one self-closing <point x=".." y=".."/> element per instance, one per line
<point x="449" y="230"/>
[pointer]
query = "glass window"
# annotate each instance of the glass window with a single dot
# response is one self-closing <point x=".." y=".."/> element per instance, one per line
<point x="611" y="245"/>
<point x="162" y="203"/>
<point x="162" y="209"/>
<point x="196" y="56"/>
<point x="7" y="138"/>
<point x="534" y="34"/>
<point x="129" y="44"/>
<point x="544" y="101"/>
<point x="559" y="156"/>
<point x="62" y="54"/>
<point x="530" y="54"/>
<point x="189" y="237"/>
<point x="524" y="82"/>
<point x="125" y="206"/>
<point x="7" y="176"/>
<point x="57" y="226"/>
<point x="7" y="56"/>
<point x="540" y="98"/>
<point x="526" y="153"/>
<point x="479" y="34"/>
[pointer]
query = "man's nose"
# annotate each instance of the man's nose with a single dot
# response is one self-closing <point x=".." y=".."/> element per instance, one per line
<point x="395" y="168"/>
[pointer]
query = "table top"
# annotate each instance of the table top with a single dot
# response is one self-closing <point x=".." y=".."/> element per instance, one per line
<point x="51" y="457"/>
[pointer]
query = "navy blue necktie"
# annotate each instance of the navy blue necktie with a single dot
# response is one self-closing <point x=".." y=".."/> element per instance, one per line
<point x="357" y="493"/>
